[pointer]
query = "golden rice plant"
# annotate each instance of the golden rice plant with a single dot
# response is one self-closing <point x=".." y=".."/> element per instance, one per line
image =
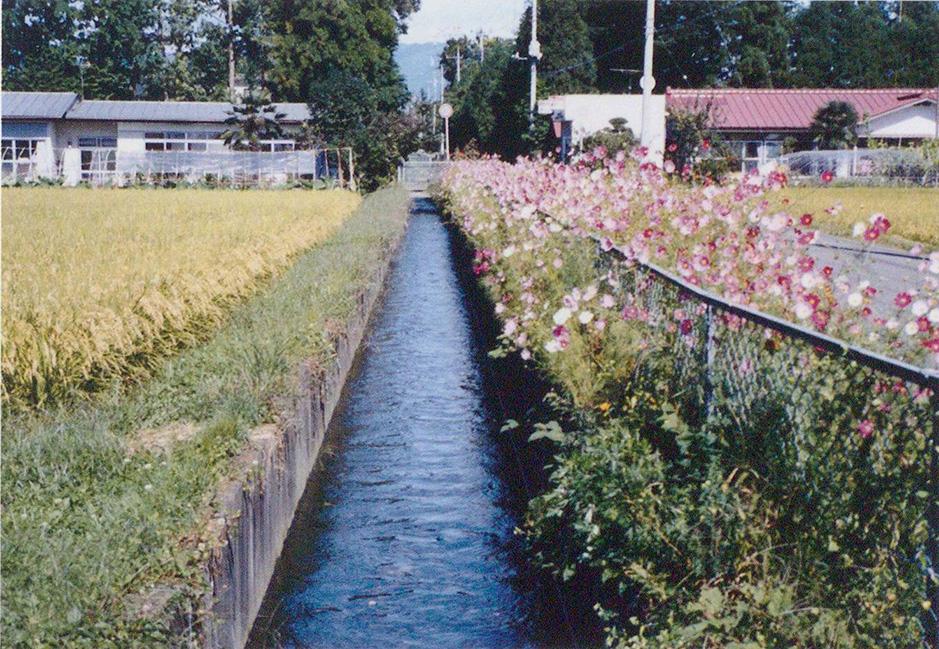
<point x="913" y="211"/>
<point x="100" y="284"/>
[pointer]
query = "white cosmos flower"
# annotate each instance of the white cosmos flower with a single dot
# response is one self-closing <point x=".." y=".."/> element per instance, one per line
<point x="911" y="328"/>
<point x="855" y="299"/>
<point x="920" y="308"/>
<point x="803" y="311"/>
<point x="859" y="229"/>
<point x="510" y="326"/>
<point x="562" y="315"/>
<point x="607" y="301"/>
<point x="585" y="317"/>
<point x="892" y="324"/>
<point x="808" y="281"/>
<point x="525" y="354"/>
<point x="933" y="316"/>
<point x="552" y="346"/>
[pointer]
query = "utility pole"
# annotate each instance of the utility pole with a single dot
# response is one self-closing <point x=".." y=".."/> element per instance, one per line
<point x="457" y="58"/>
<point x="482" y="47"/>
<point x="534" y="53"/>
<point x="231" y="51"/>
<point x="648" y="81"/>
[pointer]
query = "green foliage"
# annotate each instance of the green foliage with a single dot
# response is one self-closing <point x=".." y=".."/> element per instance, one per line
<point x="696" y="151"/>
<point x="704" y="514"/>
<point x="616" y="137"/>
<point x="834" y="125"/>
<point x="255" y="119"/>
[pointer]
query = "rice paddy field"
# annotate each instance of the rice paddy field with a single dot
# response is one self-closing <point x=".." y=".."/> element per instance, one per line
<point x="100" y="285"/>
<point x="105" y="498"/>
<point x="913" y="211"/>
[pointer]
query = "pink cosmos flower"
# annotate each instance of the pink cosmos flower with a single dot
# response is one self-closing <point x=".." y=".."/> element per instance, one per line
<point x="806" y="220"/>
<point x="827" y="176"/>
<point x="866" y="428"/>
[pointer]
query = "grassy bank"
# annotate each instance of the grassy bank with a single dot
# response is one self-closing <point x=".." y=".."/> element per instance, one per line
<point x="913" y="211"/>
<point x="104" y="500"/>
<point x="100" y="285"/>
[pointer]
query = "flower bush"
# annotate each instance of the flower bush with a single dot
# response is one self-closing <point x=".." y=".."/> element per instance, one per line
<point x="720" y="482"/>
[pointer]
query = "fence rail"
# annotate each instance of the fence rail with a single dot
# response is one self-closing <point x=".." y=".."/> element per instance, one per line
<point x="788" y="400"/>
<point x="417" y="175"/>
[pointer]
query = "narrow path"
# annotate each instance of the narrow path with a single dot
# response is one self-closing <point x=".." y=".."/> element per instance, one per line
<point x="404" y="537"/>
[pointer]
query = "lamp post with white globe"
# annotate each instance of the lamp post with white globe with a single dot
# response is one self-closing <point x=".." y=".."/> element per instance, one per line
<point x="446" y="111"/>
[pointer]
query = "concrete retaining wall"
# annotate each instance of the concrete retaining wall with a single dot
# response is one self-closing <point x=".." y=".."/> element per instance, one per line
<point x="255" y="512"/>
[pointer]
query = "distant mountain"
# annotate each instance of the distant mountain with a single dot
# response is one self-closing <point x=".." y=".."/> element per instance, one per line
<point x="418" y="63"/>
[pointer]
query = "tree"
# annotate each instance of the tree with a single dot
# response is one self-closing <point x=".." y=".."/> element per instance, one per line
<point x="254" y="120"/>
<point x="312" y="38"/>
<point x="614" y="138"/>
<point x="568" y="65"/>
<point x="835" y="125"/>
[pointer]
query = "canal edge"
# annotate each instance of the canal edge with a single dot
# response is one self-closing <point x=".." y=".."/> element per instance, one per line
<point x="255" y="509"/>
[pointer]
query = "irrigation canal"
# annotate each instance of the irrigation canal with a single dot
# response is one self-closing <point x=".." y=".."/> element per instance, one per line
<point x="404" y="537"/>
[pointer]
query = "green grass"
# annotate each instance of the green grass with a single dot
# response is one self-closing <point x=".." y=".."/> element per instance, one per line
<point x="87" y="521"/>
<point x="913" y="211"/>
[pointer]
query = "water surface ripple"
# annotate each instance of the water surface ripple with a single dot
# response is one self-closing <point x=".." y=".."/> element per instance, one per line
<point x="404" y="537"/>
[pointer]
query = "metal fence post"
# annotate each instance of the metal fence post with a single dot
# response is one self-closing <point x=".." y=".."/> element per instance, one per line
<point x="710" y="354"/>
<point x="931" y="616"/>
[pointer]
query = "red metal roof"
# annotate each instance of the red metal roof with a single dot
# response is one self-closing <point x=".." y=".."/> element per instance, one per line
<point x="746" y="108"/>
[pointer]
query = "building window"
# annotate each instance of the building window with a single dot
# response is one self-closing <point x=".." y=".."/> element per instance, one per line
<point x="179" y="140"/>
<point x="18" y="156"/>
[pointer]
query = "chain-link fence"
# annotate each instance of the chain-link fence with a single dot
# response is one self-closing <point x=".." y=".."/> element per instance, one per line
<point x="843" y="439"/>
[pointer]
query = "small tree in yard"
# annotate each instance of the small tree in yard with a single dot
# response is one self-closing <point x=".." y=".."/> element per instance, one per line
<point x="254" y="120"/>
<point x="616" y="137"/>
<point x="694" y="151"/>
<point x="835" y="125"/>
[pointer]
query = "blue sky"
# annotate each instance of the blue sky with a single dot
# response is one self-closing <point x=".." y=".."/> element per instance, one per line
<point x="438" y="20"/>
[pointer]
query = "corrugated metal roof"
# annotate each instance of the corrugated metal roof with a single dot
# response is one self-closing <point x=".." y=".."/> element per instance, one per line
<point x="35" y="105"/>
<point x="744" y="108"/>
<point x="170" y="111"/>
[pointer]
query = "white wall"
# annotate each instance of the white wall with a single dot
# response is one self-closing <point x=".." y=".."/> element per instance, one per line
<point x="912" y="121"/>
<point x="70" y="130"/>
<point x="130" y="138"/>
<point x="591" y="113"/>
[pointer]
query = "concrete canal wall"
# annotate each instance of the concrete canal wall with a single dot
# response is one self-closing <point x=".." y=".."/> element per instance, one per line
<point x="255" y="511"/>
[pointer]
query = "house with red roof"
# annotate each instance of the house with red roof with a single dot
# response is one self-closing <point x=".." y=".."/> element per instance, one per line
<point x="760" y="123"/>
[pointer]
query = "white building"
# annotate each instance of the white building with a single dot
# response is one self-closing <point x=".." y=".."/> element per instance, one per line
<point x="584" y="115"/>
<point x="50" y="134"/>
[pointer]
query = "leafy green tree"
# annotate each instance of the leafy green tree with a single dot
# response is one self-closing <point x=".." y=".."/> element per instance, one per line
<point x="568" y="65"/>
<point x="835" y="125"/>
<point x="469" y="54"/>
<point x="254" y="120"/>
<point x="30" y="62"/>
<point x="312" y="38"/>
<point x="840" y="45"/>
<point x="614" y="138"/>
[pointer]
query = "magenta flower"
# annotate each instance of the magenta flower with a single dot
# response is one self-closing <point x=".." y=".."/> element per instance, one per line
<point x="903" y="300"/>
<point x="827" y="176"/>
<point x="866" y="428"/>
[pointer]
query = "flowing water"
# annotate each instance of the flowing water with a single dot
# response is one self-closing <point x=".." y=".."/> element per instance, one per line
<point x="404" y="537"/>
